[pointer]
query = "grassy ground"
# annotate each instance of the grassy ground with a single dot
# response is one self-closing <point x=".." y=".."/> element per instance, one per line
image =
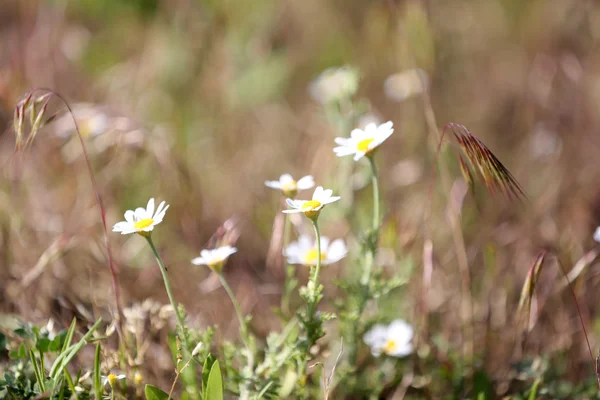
<point x="202" y="101"/>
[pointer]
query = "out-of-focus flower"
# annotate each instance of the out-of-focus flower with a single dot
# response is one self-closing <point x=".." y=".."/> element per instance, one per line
<point x="304" y="251"/>
<point x="362" y="142"/>
<point x="100" y="126"/>
<point x="142" y="220"/>
<point x="405" y="84"/>
<point x="393" y="340"/>
<point x="150" y="315"/>
<point x="289" y="186"/>
<point x="138" y="378"/>
<point x="334" y="85"/>
<point x="111" y="379"/>
<point x="214" y="259"/>
<point x="597" y="235"/>
<point x="312" y="208"/>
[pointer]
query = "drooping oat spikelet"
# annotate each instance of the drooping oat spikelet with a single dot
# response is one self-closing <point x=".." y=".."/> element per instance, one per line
<point x="482" y="162"/>
<point x="33" y="109"/>
<point x="529" y="287"/>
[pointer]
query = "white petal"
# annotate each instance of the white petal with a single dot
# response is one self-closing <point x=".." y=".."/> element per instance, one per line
<point x="150" y="208"/>
<point x="359" y="155"/>
<point x="400" y="331"/>
<point x="371" y="129"/>
<point x="292" y="211"/>
<point x="140" y="213"/>
<point x="199" y="261"/>
<point x="324" y="244"/>
<point x="343" y="151"/>
<point x="402" y="350"/>
<point x="317" y="193"/>
<point x="285" y="178"/>
<point x="120" y="226"/>
<point x="341" y="141"/>
<point x="337" y="250"/>
<point x="376" y="336"/>
<point x="330" y="200"/>
<point x="159" y="216"/>
<point x="273" y="184"/>
<point x="129" y="216"/>
<point x="306" y="182"/>
<point x="357" y="134"/>
<point x="160" y="209"/>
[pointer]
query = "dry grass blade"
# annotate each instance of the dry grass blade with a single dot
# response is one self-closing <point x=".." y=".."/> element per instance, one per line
<point x="482" y="162"/>
<point x="36" y="108"/>
<point x="529" y="287"/>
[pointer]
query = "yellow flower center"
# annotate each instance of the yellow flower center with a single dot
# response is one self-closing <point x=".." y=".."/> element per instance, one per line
<point x="310" y="258"/>
<point x="112" y="378"/>
<point x="143" y="223"/>
<point x="311" y="205"/>
<point x="289" y="186"/>
<point x="363" y="145"/>
<point x="216" y="265"/>
<point x="390" y="346"/>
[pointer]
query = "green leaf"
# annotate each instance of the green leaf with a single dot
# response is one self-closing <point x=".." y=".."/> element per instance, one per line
<point x="69" y="352"/>
<point x="208" y="363"/>
<point x="214" y="387"/>
<point x="97" y="381"/>
<point x="154" y="393"/>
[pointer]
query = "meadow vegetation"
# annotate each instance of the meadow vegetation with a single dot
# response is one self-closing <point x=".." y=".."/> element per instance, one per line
<point x="299" y="199"/>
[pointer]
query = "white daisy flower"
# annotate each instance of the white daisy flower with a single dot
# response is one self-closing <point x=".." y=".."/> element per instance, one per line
<point x="111" y="379"/>
<point x="141" y="220"/>
<point x="393" y="340"/>
<point x="362" y="142"/>
<point x="312" y="208"/>
<point x="304" y="251"/>
<point x="289" y="186"/>
<point x="405" y="84"/>
<point x="334" y="84"/>
<point x="214" y="259"/>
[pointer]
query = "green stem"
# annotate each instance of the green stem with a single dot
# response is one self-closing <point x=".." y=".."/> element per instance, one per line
<point x="375" y="182"/>
<point x="163" y="271"/>
<point x="369" y="260"/>
<point x="289" y="269"/>
<point x="236" y="306"/>
<point x="318" y="267"/>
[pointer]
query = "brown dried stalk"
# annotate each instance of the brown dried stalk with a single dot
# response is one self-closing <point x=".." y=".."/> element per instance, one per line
<point x="36" y="108"/>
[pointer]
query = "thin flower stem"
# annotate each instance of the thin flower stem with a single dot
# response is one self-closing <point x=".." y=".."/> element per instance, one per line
<point x="375" y="182"/>
<point x="289" y="270"/>
<point x="318" y="267"/>
<point x="165" y="276"/>
<point x="236" y="306"/>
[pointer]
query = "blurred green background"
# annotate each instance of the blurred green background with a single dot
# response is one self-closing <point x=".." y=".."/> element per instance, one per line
<point x="200" y="102"/>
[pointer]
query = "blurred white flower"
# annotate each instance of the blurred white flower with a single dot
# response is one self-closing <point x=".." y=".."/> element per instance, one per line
<point x="111" y="379"/>
<point x="289" y="186"/>
<point x="334" y="84"/>
<point x="141" y="220"/>
<point x="214" y="259"/>
<point x="393" y="340"/>
<point x="304" y="251"/>
<point x="405" y="84"/>
<point x="362" y="142"/>
<point x="312" y="208"/>
<point x="597" y="235"/>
